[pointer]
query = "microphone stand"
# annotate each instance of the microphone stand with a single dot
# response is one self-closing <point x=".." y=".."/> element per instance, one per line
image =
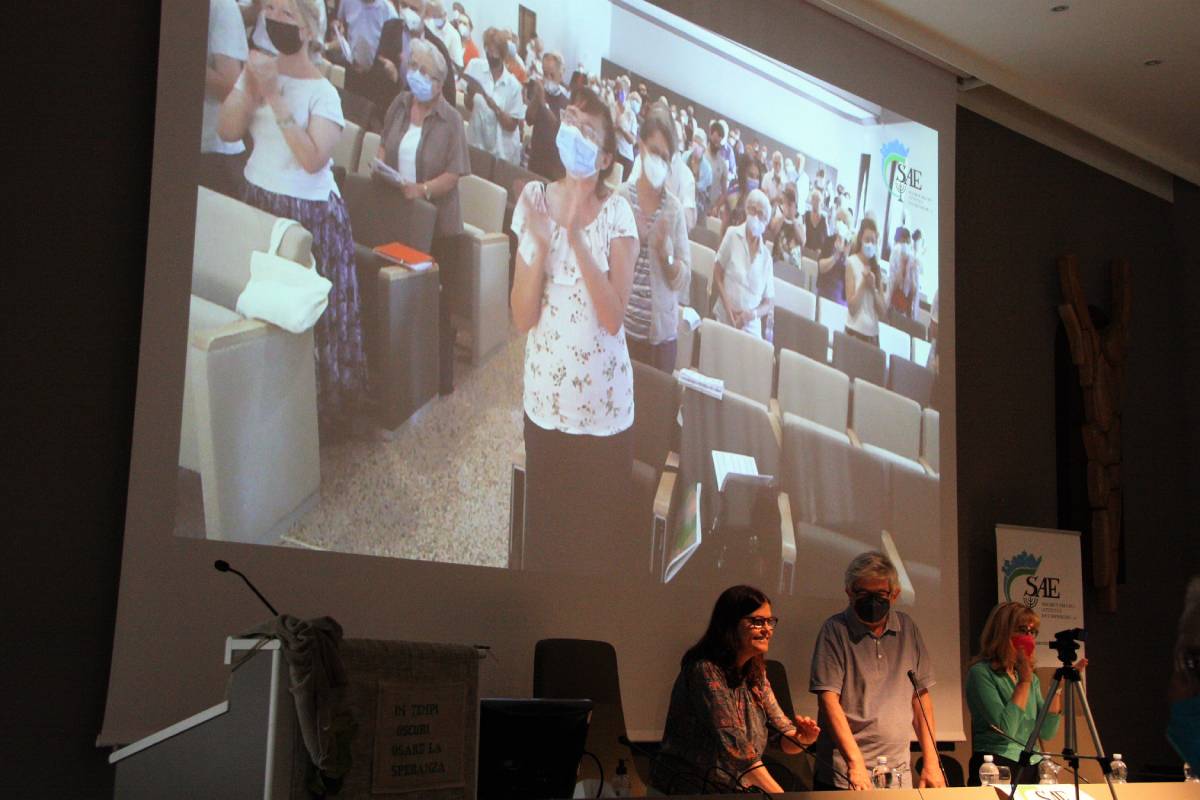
<point x="1042" y="753"/>
<point x="223" y="566"/>
<point x="912" y="678"/>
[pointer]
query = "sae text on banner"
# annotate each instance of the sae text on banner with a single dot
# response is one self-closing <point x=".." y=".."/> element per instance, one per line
<point x="1042" y="568"/>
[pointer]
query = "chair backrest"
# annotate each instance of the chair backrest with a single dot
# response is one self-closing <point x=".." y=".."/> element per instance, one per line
<point x="337" y="75"/>
<point x="370" y="149"/>
<point x="482" y="162"/>
<point x="894" y="341"/>
<point x="512" y="178"/>
<point x="832" y="315"/>
<point x="789" y="272"/>
<point x="858" y="359"/>
<point x="911" y="380"/>
<point x="735" y="424"/>
<point x="702" y="260"/>
<point x="745" y="362"/>
<point x="777" y="676"/>
<point x="708" y="238"/>
<point x="713" y="224"/>
<point x="800" y="334"/>
<point x="357" y="108"/>
<point x="699" y="297"/>
<point x="656" y="405"/>
<point x="833" y="484"/>
<point x="347" y="149"/>
<point x="227" y="232"/>
<point x="482" y="203"/>
<point x="810" y="270"/>
<point x="795" y="299"/>
<point x="913" y="327"/>
<point x="380" y="214"/>
<point x="931" y="422"/>
<point x="886" y="420"/>
<point x="813" y="390"/>
<point x="920" y="351"/>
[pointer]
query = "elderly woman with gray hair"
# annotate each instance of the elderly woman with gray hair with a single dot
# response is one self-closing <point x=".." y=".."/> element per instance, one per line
<point x="424" y="141"/>
<point x="294" y="117"/>
<point x="743" y="272"/>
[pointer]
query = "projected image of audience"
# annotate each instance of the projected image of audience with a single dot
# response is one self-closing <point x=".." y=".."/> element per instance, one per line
<point x="573" y="287"/>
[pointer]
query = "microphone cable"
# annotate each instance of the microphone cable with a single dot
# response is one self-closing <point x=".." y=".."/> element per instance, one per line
<point x="912" y="678"/>
<point x="806" y="749"/>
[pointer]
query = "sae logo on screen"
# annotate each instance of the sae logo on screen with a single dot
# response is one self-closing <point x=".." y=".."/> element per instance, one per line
<point x="1022" y="569"/>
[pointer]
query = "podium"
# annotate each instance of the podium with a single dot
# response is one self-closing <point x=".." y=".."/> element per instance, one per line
<point x="239" y="748"/>
<point x="415" y="708"/>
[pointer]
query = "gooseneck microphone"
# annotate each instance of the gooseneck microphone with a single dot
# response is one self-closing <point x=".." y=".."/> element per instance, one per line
<point x="912" y="678"/>
<point x="997" y="729"/>
<point x="807" y="748"/>
<point x="223" y="566"/>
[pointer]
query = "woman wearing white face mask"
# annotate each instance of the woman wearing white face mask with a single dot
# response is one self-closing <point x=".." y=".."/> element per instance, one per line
<point x="743" y="272"/>
<point x="902" y="275"/>
<point x="865" y="302"/>
<point x="576" y="246"/>
<point x="664" y="255"/>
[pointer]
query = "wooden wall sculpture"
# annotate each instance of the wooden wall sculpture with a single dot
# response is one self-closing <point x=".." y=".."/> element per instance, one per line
<point x="1099" y="356"/>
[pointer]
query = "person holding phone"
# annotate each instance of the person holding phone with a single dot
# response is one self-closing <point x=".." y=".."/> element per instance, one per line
<point x="1003" y="691"/>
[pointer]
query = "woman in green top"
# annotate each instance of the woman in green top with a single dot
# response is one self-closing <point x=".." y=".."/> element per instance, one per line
<point x="1004" y="692"/>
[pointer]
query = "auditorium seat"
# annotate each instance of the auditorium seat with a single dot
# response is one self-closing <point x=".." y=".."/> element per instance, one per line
<point x="477" y="280"/>
<point x="733" y="424"/>
<point x="347" y="150"/>
<point x="838" y="495"/>
<point x="359" y="109"/>
<point x="832" y="315"/>
<point x="920" y="351"/>
<point x="795" y="299"/>
<point x="249" y="418"/>
<point x="568" y="669"/>
<point x="859" y="359"/>
<point x="909" y="379"/>
<point x="801" y="335"/>
<point x="931" y="439"/>
<point x="656" y="408"/>
<point x="713" y="224"/>
<point x="894" y="341"/>
<point x="700" y="292"/>
<point x="368" y="153"/>
<point x="810" y="269"/>
<point x="400" y="306"/>
<point x="745" y="362"/>
<point x="786" y="271"/>
<point x="702" y="235"/>
<point x="482" y="162"/>
<point x="885" y="421"/>
<point x="815" y="391"/>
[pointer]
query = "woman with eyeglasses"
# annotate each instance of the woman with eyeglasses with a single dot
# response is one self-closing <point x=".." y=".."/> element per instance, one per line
<point x="723" y="712"/>
<point x="1004" y="692"/>
<point x="577" y="243"/>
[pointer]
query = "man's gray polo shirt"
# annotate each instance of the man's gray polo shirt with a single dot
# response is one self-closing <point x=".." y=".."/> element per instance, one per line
<point x="871" y="676"/>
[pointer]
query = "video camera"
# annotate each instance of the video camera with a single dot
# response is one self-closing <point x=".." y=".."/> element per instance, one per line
<point x="1066" y="644"/>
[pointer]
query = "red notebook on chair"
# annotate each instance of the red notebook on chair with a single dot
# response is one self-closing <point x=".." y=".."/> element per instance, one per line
<point x="405" y="256"/>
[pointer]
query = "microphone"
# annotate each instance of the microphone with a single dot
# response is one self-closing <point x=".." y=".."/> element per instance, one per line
<point x="912" y="678"/>
<point x="997" y="729"/>
<point x="223" y="566"/>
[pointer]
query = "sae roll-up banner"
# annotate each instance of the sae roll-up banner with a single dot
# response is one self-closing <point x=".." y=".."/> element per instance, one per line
<point x="1042" y="568"/>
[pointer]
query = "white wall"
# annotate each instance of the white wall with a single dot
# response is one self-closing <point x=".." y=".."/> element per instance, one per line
<point x="579" y="29"/>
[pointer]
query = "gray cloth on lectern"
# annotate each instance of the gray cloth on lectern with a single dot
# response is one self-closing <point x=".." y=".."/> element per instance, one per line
<point x="318" y="682"/>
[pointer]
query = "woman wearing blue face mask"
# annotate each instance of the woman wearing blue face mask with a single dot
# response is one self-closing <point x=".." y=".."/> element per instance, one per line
<point x="424" y="141"/>
<point x="577" y="242"/>
<point x="865" y="301"/>
<point x="664" y="255"/>
<point x="749" y="177"/>
<point x="294" y="117"/>
<point x="743" y="272"/>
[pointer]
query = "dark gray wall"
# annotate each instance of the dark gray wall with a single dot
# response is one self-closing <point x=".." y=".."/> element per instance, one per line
<point x="1020" y="205"/>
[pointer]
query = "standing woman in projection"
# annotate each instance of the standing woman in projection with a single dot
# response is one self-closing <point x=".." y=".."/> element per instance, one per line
<point x="294" y="116"/>
<point x="577" y="245"/>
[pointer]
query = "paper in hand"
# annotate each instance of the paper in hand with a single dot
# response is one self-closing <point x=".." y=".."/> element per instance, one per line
<point x="381" y="168"/>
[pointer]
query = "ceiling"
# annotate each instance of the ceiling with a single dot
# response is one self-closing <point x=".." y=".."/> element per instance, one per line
<point x="1084" y="65"/>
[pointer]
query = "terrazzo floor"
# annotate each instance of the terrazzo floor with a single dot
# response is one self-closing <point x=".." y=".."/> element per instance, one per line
<point x="439" y="489"/>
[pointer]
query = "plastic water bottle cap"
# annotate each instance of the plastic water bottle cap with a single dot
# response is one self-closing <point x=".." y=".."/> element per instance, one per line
<point x="883" y="759"/>
<point x="1117" y="757"/>
<point x="987" y="759"/>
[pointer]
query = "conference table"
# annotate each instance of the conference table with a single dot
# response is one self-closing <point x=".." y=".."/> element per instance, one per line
<point x="1094" y="791"/>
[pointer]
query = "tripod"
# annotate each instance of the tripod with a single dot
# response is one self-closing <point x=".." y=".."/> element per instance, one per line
<point x="1067" y="679"/>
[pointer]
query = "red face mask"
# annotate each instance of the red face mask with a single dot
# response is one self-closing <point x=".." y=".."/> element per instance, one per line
<point x="1025" y="642"/>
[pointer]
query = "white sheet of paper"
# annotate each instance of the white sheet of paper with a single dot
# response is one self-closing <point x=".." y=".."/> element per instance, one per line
<point x="726" y="464"/>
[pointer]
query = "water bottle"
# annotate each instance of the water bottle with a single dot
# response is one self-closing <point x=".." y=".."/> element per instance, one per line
<point x="620" y="781"/>
<point x="1188" y="775"/>
<point x="881" y="775"/>
<point x="1047" y="772"/>
<point x="1120" y="772"/>
<point x="989" y="773"/>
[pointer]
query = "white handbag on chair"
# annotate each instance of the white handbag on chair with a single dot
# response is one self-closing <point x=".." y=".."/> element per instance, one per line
<point x="283" y="292"/>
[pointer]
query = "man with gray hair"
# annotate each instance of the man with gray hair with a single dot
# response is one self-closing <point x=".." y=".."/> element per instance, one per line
<point x="868" y="705"/>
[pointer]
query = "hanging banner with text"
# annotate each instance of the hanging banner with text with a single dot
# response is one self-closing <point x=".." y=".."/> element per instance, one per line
<point x="1042" y="568"/>
<point x="419" y="737"/>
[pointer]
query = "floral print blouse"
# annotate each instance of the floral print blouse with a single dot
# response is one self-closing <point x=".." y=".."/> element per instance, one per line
<point x="578" y="378"/>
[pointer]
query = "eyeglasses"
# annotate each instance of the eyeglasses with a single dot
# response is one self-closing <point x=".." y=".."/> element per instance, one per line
<point x="1028" y="630"/>
<point x="758" y="623"/>
<point x="574" y="117"/>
